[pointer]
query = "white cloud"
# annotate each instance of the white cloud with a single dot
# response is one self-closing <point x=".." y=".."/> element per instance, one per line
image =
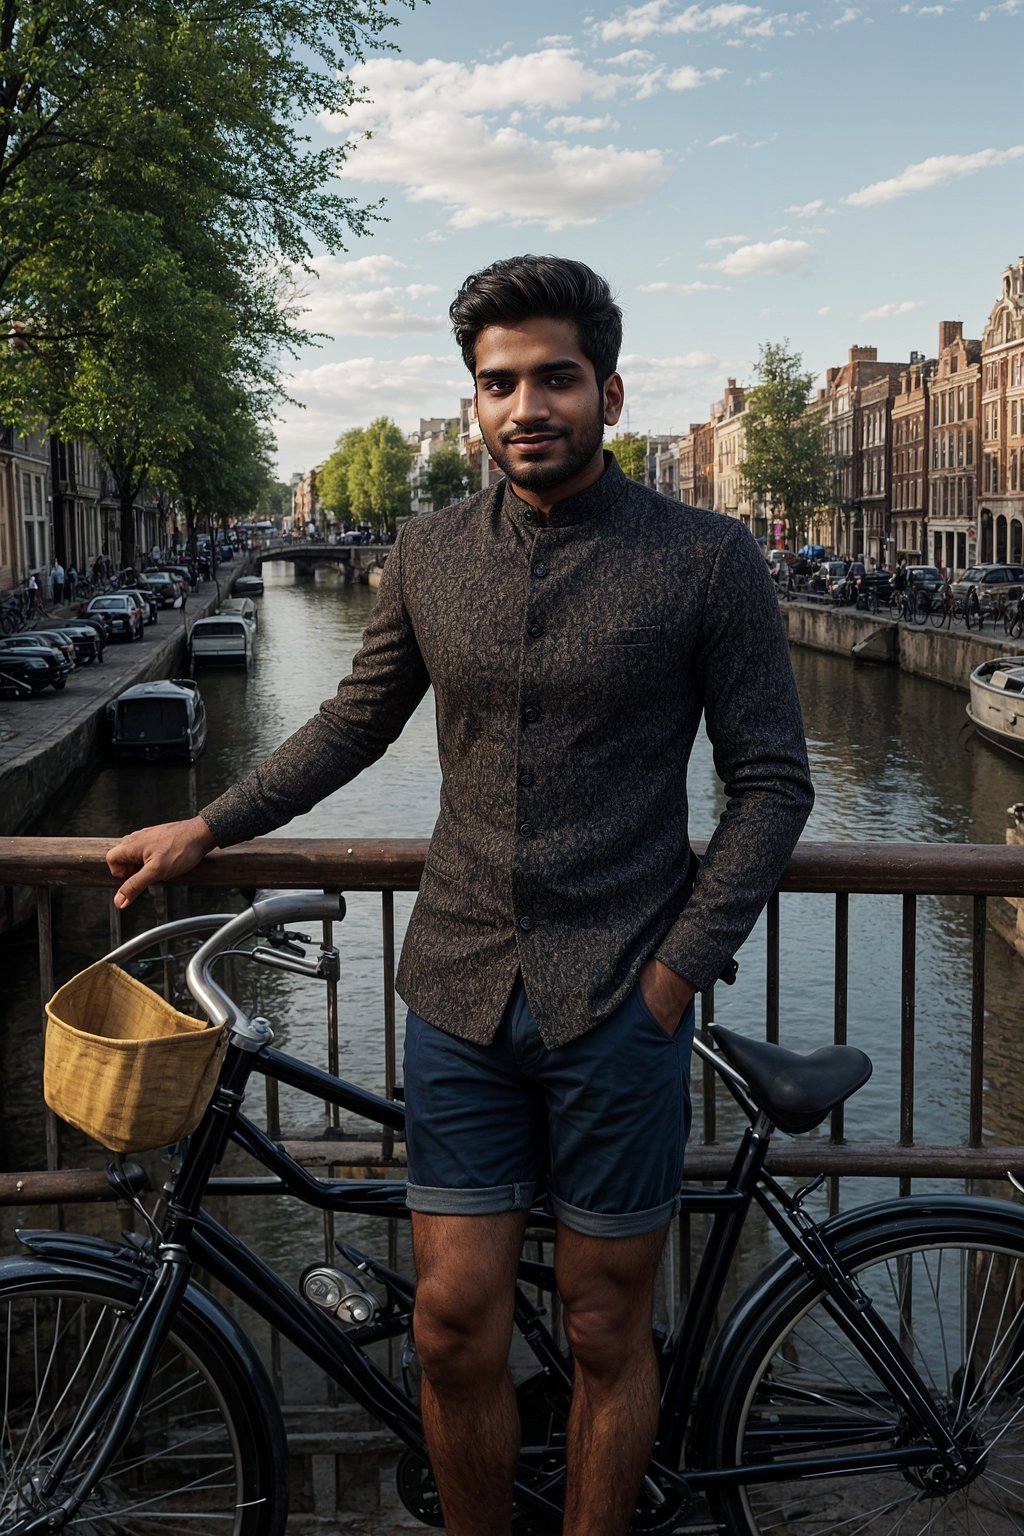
<point x="348" y="298"/>
<point x="719" y="240"/>
<point x="807" y="210"/>
<point x="632" y="56"/>
<point x="888" y="311"/>
<point x="929" y="173"/>
<point x="436" y="132"/>
<point x="765" y="256"/>
<point x="689" y="79"/>
<point x="350" y="393"/>
<point x="581" y="124"/>
<point x="723" y="138"/>
<point x="851" y="13"/>
<point x="657" y="16"/>
<point x="925" y="10"/>
<point x="555" y="40"/>
<point x="697" y="287"/>
<point x="826" y="309"/>
<point x="1008" y="8"/>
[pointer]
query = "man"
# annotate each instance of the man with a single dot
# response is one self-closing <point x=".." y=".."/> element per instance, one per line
<point x="56" y="581"/>
<point x="574" y="625"/>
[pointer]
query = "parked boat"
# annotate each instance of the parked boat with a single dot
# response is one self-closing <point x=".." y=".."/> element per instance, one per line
<point x="243" y="608"/>
<point x="160" y="719"/>
<point x="226" y="640"/>
<point x="996" y="709"/>
<point x="248" y="586"/>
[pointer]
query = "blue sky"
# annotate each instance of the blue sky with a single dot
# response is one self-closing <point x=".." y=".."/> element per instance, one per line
<point x="840" y="175"/>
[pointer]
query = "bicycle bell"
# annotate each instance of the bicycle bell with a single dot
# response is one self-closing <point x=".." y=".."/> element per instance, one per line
<point x="340" y="1293"/>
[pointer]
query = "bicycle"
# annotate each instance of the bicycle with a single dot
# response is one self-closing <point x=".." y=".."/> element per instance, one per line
<point x="1013" y="620"/>
<point x="869" y="1380"/>
<point x="947" y="609"/>
<point x="910" y="606"/>
<point x="17" y="608"/>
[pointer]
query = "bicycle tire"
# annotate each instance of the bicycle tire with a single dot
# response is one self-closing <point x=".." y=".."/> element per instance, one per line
<point x="941" y="614"/>
<point x="198" y="1436"/>
<point x="795" y="1374"/>
<point x="896" y="606"/>
<point x="921" y="608"/>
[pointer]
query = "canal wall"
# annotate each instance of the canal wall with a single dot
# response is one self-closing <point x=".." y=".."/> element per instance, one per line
<point x="942" y="655"/>
<point x="46" y="741"/>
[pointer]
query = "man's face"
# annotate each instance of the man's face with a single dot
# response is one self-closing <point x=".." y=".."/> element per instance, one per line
<point x="540" y="409"/>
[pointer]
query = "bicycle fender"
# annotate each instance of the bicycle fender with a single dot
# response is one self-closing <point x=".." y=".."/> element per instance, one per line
<point x="886" y="1219"/>
<point x="68" y="1255"/>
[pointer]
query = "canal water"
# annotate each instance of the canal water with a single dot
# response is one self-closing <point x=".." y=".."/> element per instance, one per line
<point x="889" y="765"/>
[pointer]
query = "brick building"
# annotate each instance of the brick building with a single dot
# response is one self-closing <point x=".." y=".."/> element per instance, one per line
<point x="954" y="416"/>
<point x="843" y="438"/>
<point x="703" y="464"/>
<point x="908" y="469"/>
<point x="1001" y="478"/>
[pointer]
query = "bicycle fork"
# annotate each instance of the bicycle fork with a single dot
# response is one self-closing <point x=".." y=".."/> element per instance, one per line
<point x="126" y="1379"/>
<point x="854" y="1312"/>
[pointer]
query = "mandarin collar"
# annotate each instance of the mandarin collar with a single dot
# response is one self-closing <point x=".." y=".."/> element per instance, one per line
<point x="586" y="506"/>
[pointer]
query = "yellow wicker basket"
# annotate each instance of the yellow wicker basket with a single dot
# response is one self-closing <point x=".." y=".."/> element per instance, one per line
<point x="125" y="1066"/>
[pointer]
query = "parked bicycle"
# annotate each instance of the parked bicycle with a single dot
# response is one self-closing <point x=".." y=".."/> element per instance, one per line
<point x="947" y="609"/>
<point x="910" y="605"/>
<point x="869" y="1381"/>
<point x="19" y="608"/>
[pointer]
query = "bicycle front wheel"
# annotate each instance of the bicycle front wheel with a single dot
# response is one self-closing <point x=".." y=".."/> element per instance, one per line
<point x="952" y="1292"/>
<point x="191" y="1463"/>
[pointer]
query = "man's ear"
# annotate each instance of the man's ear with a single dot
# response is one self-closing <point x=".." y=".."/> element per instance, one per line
<point x="614" y="396"/>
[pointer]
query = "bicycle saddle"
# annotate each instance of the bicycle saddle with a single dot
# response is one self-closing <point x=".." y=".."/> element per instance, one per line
<point x="795" y="1091"/>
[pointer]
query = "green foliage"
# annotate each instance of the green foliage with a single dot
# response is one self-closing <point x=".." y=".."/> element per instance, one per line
<point x="157" y="191"/>
<point x="449" y="477"/>
<point x="379" y="474"/>
<point x="786" y="465"/>
<point x="631" y="451"/>
<point x="332" y="482"/>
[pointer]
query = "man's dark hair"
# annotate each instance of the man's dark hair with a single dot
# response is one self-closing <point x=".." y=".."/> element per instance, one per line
<point x="528" y="287"/>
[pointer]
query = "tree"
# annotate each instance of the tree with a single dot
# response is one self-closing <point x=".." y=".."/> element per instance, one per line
<point x="631" y="452"/>
<point x="379" y="475"/>
<point x="449" y="477"/>
<point x="786" y="464"/>
<point x="333" y="482"/>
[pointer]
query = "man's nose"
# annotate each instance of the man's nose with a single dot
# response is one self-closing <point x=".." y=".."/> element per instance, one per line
<point x="530" y="402"/>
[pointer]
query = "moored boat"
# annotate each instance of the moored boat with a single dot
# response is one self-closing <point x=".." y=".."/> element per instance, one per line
<point x="248" y="586"/>
<point x="166" y="718"/>
<point x="996" y="709"/>
<point x="226" y="639"/>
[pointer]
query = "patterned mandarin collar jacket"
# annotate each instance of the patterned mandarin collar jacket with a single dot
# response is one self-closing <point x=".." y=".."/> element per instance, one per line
<point x="570" y="664"/>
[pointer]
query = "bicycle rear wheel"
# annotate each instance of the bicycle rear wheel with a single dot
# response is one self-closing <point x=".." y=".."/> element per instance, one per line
<point x="952" y="1291"/>
<point x="199" y="1460"/>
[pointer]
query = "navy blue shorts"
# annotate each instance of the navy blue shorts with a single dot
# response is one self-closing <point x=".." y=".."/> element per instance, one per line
<point x="600" y="1124"/>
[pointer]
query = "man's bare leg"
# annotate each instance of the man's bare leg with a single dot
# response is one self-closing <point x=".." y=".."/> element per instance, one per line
<point x="607" y="1288"/>
<point x="466" y="1271"/>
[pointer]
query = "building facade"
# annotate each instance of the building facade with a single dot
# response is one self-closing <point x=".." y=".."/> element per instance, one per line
<point x="954" y="425"/>
<point x="727" y="416"/>
<point x="434" y="433"/>
<point x="1001" y="469"/>
<point x="908" y="467"/>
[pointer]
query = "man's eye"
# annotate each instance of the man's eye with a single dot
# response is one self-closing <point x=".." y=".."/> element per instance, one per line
<point x="560" y="380"/>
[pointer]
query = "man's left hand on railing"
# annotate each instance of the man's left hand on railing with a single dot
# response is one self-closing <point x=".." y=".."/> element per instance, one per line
<point x="155" y="854"/>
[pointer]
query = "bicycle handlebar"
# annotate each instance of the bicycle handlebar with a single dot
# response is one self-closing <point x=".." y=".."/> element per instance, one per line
<point x="272" y="910"/>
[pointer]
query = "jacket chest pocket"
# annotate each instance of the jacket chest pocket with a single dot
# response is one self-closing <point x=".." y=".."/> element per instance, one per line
<point x="637" y="646"/>
<point x="625" y="670"/>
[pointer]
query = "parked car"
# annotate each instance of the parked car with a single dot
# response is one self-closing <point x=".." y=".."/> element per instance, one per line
<point x="164" y="588"/>
<point x="56" y="668"/>
<point x="74" y="649"/>
<point x="925" y="578"/>
<point x="124" y="613"/>
<point x="874" y="588"/>
<point x="160" y="719"/>
<point x="88" y="637"/>
<point x="23" y="673"/>
<point x="189" y="574"/>
<point x="992" y="580"/>
<point x="148" y="601"/>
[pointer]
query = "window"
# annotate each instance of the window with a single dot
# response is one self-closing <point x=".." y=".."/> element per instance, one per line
<point x="960" y="403"/>
<point x="970" y="446"/>
<point x="970" y="399"/>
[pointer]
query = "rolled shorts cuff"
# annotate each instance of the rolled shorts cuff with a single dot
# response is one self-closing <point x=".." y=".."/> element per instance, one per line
<point x="431" y="1201"/>
<point x="614" y="1223"/>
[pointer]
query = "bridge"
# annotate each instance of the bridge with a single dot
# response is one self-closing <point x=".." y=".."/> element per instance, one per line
<point x="358" y="559"/>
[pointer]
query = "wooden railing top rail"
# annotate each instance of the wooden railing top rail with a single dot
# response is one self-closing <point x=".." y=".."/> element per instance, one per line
<point x="371" y="864"/>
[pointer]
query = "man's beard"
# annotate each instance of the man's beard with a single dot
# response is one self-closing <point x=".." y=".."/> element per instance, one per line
<point x="544" y="477"/>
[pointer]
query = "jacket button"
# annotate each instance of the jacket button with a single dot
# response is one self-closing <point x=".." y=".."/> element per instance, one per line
<point x="529" y="516"/>
<point x="540" y="569"/>
<point x="526" y="829"/>
<point x="526" y="778"/>
<point x="530" y="714"/>
<point x="535" y="631"/>
<point x="526" y="923"/>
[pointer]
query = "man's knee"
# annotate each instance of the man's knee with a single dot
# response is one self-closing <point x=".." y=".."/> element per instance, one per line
<point x="465" y="1296"/>
<point x="606" y="1334"/>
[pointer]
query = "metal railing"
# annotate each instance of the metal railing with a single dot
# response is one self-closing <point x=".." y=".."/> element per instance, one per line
<point x="833" y="871"/>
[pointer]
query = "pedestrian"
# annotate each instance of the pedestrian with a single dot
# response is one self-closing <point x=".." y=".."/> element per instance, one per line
<point x="575" y="626"/>
<point x="56" y="575"/>
<point x="71" y="584"/>
<point x="900" y="576"/>
<point x="35" y="602"/>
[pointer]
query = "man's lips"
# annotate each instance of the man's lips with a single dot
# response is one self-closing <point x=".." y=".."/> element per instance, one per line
<point x="536" y="443"/>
